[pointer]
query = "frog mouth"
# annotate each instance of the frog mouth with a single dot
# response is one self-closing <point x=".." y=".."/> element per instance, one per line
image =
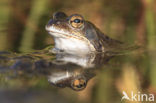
<point x="57" y="32"/>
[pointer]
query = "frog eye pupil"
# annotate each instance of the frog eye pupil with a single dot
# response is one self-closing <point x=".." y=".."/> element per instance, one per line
<point x="79" y="86"/>
<point x="77" y="20"/>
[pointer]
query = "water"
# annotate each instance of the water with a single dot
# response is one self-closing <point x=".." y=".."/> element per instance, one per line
<point x="102" y="77"/>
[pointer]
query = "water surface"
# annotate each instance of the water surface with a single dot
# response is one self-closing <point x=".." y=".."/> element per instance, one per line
<point x="40" y="76"/>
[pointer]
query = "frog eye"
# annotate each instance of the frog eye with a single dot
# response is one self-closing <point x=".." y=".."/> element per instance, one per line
<point x="76" y="21"/>
<point x="78" y="84"/>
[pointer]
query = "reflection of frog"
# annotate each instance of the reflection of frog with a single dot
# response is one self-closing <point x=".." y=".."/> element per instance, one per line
<point x="72" y="34"/>
<point x="75" y="77"/>
<point x="63" y="70"/>
<point x="75" y="71"/>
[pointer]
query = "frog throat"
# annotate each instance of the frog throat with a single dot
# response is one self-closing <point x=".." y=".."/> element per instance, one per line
<point x="61" y="33"/>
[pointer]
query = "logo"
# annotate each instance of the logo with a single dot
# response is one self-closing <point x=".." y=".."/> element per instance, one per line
<point x="137" y="96"/>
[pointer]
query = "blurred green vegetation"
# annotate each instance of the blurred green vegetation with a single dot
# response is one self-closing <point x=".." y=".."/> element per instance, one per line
<point x="22" y="29"/>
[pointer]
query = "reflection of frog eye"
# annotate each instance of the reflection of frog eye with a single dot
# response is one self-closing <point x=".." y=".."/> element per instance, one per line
<point x="78" y="84"/>
<point x="76" y="21"/>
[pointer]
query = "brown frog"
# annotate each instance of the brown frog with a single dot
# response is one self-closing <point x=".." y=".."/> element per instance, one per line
<point x="73" y="34"/>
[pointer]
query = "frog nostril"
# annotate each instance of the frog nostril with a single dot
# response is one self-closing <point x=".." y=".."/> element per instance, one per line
<point x="50" y="22"/>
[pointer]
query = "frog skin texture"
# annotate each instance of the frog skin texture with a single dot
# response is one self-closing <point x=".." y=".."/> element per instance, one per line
<point x="73" y="34"/>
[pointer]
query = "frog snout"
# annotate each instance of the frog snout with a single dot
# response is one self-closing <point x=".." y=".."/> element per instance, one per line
<point x="50" y="22"/>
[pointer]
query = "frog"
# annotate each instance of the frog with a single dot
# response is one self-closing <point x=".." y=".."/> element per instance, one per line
<point x="73" y="34"/>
